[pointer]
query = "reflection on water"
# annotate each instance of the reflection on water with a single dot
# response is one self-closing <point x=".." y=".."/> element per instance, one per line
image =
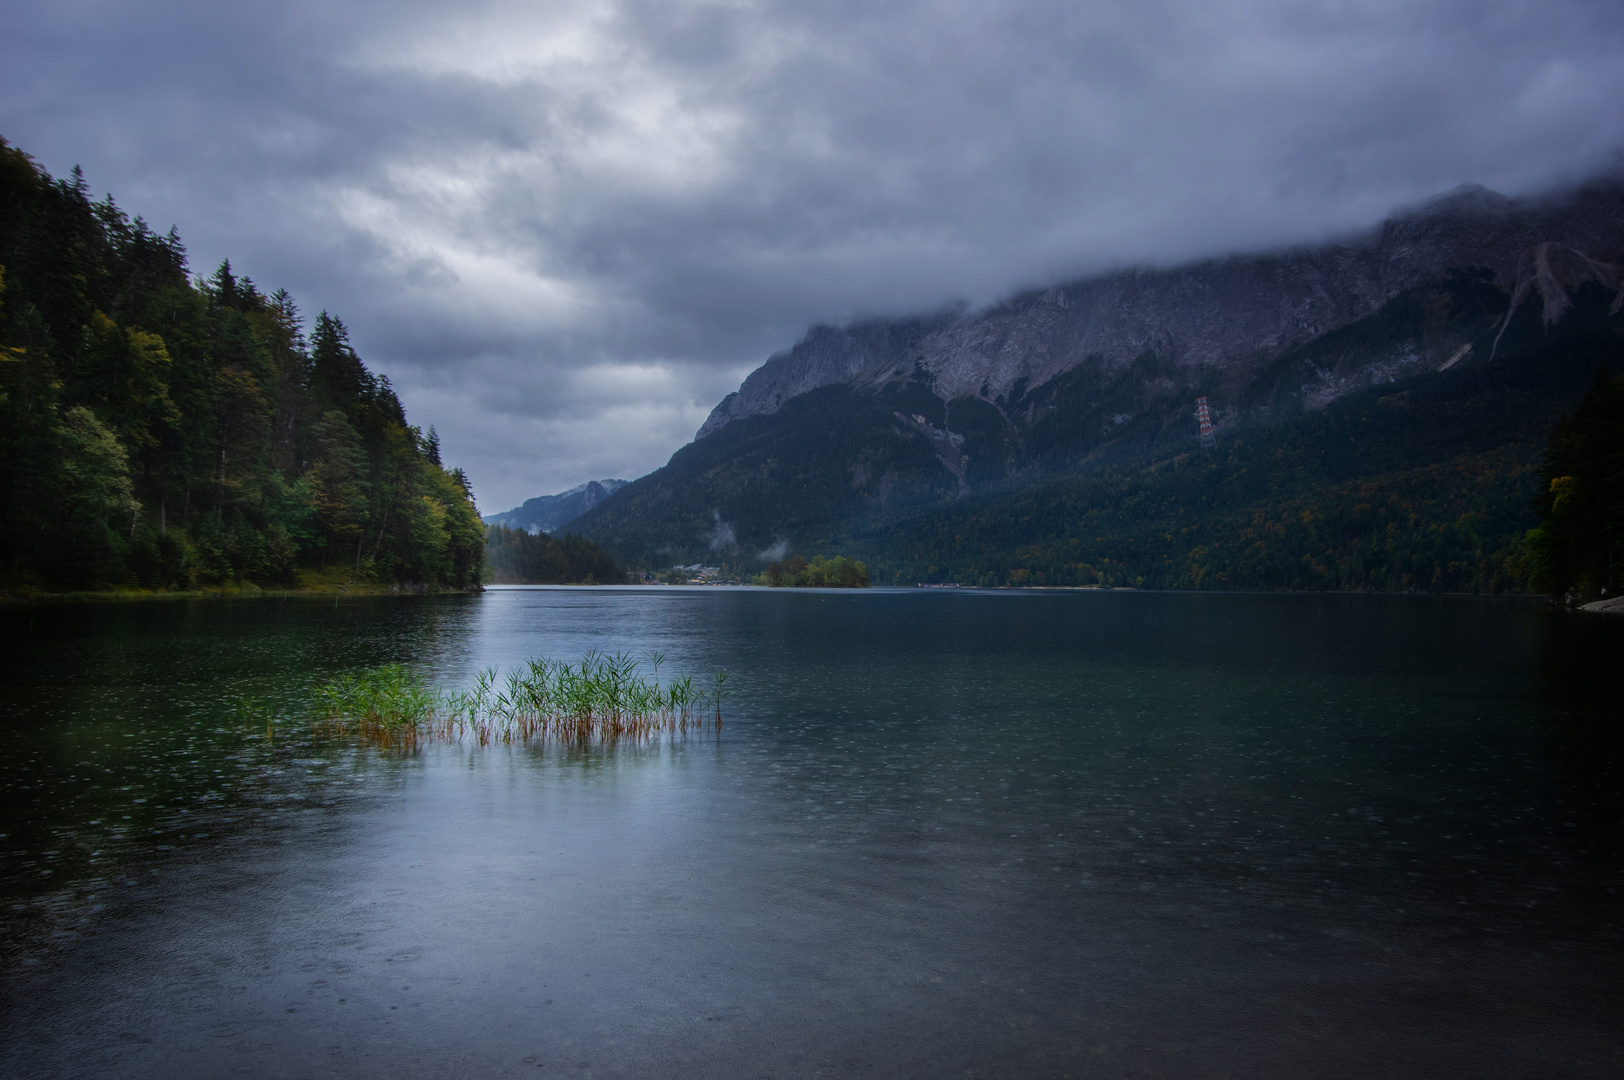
<point x="940" y="834"/>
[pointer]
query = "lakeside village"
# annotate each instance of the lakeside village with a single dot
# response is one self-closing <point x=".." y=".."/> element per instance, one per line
<point x="697" y="574"/>
<point x="794" y="572"/>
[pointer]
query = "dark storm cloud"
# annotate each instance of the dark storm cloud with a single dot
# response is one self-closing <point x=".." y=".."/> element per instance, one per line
<point x="566" y="230"/>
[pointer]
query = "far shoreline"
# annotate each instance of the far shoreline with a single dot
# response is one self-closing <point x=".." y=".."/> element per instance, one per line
<point x="249" y="591"/>
<point x="225" y="592"/>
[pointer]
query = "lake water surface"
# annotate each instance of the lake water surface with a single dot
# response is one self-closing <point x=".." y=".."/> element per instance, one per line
<point x="941" y="834"/>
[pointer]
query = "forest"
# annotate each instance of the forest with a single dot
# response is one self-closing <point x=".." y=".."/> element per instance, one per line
<point x="1577" y="551"/>
<point x="160" y="431"/>
<point x="517" y="557"/>
<point x="820" y="573"/>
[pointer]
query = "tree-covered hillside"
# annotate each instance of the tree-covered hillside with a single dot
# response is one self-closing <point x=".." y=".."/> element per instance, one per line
<point x="159" y="431"/>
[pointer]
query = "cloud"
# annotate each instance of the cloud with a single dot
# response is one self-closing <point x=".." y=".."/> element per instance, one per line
<point x="567" y="230"/>
<point x="775" y="551"/>
<point x="722" y="537"/>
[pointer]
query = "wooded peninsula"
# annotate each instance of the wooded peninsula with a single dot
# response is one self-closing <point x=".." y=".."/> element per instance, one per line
<point x="160" y="431"/>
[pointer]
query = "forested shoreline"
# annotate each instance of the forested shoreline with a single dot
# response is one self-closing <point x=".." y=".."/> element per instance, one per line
<point x="821" y="573"/>
<point x="517" y="557"/>
<point x="165" y="432"/>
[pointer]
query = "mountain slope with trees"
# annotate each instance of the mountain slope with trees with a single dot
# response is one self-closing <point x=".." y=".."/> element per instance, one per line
<point x="164" y="432"/>
<point x="1391" y="441"/>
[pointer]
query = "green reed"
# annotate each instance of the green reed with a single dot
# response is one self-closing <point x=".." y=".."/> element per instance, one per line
<point x="603" y="698"/>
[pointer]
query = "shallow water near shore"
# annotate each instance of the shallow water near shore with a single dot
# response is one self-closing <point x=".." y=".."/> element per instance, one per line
<point x="941" y="833"/>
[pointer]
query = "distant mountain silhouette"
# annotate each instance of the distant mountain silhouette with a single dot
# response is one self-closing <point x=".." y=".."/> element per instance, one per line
<point x="549" y="513"/>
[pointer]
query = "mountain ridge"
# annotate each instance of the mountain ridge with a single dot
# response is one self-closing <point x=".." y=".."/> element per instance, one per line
<point x="1213" y="313"/>
<point x="549" y="513"/>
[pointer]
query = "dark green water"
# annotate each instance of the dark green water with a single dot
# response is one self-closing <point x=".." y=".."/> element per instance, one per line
<point x="941" y="834"/>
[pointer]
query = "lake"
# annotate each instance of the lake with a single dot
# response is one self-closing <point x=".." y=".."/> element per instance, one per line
<point x="940" y="834"/>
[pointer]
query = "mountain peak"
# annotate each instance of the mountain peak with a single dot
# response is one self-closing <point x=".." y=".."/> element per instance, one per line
<point x="549" y="513"/>
<point x="1467" y="198"/>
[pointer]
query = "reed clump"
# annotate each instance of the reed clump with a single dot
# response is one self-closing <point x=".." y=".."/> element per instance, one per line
<point x="604" y="698"/>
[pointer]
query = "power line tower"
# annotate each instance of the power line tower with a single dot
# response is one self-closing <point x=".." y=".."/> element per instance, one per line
<point x="1204" y="416"/>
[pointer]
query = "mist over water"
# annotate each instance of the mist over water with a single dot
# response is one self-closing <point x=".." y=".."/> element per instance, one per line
<point x="941" y="833"/>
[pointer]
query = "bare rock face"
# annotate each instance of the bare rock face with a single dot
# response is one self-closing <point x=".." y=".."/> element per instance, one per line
<point x="948" y="445"/>
<point x="1554" y="272"/>
<point x="1233" y="314"/>
<point x="824" y="357"/>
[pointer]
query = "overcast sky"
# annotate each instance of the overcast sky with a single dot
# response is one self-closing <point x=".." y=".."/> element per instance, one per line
<point x="566" y="230"/>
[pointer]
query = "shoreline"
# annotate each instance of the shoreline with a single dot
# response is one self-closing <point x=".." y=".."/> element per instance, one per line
<point x="247" y="591"/>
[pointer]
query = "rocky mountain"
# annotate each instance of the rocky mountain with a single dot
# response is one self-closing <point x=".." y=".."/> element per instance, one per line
<point x="1475" y="318"/>
<point x="549" y="513"/>
<point x="1224" y="315"/>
